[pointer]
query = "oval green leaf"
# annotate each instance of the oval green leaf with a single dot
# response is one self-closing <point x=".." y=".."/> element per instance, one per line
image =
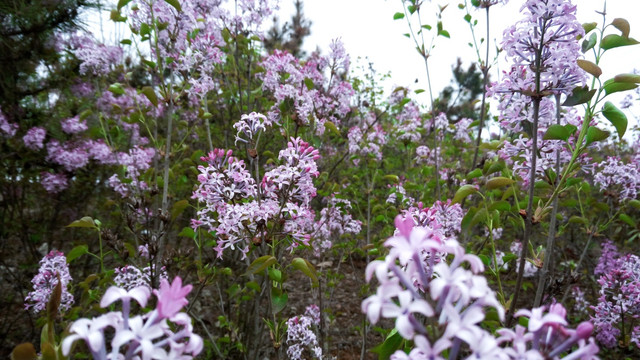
<point x="616" y="117"/>
<point x="463" y="192"/>
<point x="498" y="182"/>
<point x="594" y="134"/>
<point x="260" y="264"/>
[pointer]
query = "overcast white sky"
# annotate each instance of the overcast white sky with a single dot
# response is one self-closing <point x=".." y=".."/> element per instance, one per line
<point x="368" y="30"/>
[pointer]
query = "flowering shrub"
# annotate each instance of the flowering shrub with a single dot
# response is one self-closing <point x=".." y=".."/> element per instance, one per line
<point x="269" y="180"/>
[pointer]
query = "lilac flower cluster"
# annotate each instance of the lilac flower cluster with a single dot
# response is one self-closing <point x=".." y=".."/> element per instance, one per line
<point x="241" y="213"/>
<point x="9" y="129"/>
<point x="96" y="59"/>
<point x="334" y="222"/>
<point x="425" y="155"/>
<point x="417" y="284"/>
<point x="34" y="138"/>
<point x="367" y="139"/>
<point x="74" y="125"/>
<point x="409" y="123"/>
<point x="315" y="98"/>
<point x="53" y="268"/>
<point x="53" y="183"/>
<point x="549" y="26"/>
<point x="249" y="126"/>
<point x="130" y="277"/>
<point x="618" y="306"/>
<point x="300" y="334"/>
<point x="617" y="179"/>
<point x="164" y="333"/>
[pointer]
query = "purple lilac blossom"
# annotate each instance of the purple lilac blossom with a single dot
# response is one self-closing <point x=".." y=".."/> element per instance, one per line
<point x="619" y="300"/>
<point x="300" y="334"/>
<point x="52" y="267"/>
<point x="54" y="183"/>
<point x="618" y="180"/>
<point x="9" y="129"/>
<point x="34" y="138"/>
<point x="163" y="333"/>
<point x="455" y="297"/>
<point x="73" y="125"/>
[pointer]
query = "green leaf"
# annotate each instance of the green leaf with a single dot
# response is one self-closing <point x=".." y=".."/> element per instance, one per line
<point x="150" y="94"/>
<point x="498" y="182"/>
<point x="122" y="3"/>
<point x="627" y="78"/>
<point x="76" y="252"/>
<point x="332" y="127"/>
<point x="479" y="217"/>
<point x="145" y="29"/>
<point x="398" y="16"/>
<point x="474" y="174"/>
<point x="85" y="222"/>
<point x="578" y="220"/>
<point x="178" y="208"/>
<point x="175" y="4"/>
<point x="24" y="351"/>
<point x="556" y="132"/>
<point x="125" y="42"/>
<point x="392" y="343"/>
<point x="444" y="33"/>
<point x="622" y="25"/>
<point x="467" y="18"/>
<point x="279" y="300"/>
<point x="463" y="192"/>
<point x="485" y="259"/>
<point x="579" y="95"/>
<point x="116" y="17"/>
<point x="116" y="89"/>
<point x="590" y="67"/>
<point x="260" y="264"/>
<point x="589" y="26"/>
<point x="635" y="203"/>
<point x="275" y="275"/>
<point x="589" y="44"/>
<point x="48" y="352"/>
<point x="627" y="219"/>
<point x="306" y="267"/>
<point x="613" y="41"/>
<point x="594" y="134"/>
<point x="392" y="178"/>
<point x="612" y="86"/>
<point x="500" y="206"/>
<point x="617" y="117"/>
<point x="308" y="83"/>
<point x="187" y="232"/>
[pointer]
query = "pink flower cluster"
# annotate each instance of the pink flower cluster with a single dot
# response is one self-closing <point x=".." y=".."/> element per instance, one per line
<point x="164" y="333"/>
<point x="96" y="59"/>
<point x="550" y="25"/>
<point x="241" y="213"/>
<point x="34" y="138"/>
<point x="334" y="222"/>
<point x="249" y="126"/>
<point x="367" y="139"/>
<point x="620" y="181"/>
<point x="301" y="335"/>
<point x="417" y="281"/>
<point x="53" y="268"/>
<point x="314" y="98"/>
<point x="9" y="129"/>
<point x="618" y="306"/>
